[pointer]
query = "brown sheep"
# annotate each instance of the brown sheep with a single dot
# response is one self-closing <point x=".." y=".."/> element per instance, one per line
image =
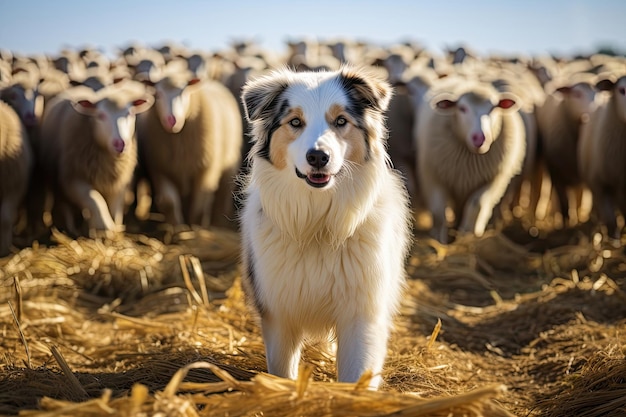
<point x="400" y="117"/>
<point x="470" y="144"/>
<point x="15" y="169"/>
<point x="602" y="152"/>
<point x="23" y="96"/>
<point x="190" y="144"/>
<point x="89" y="152"/>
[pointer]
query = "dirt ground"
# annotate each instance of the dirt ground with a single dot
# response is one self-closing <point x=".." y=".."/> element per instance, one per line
<point x="508" y="324"/>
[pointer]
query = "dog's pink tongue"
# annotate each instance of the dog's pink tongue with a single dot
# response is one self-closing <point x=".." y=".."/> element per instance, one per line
<point x="319" y="178"/>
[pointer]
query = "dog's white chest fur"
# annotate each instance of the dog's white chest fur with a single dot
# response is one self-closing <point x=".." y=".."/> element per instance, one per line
<point x="319" y="261"/>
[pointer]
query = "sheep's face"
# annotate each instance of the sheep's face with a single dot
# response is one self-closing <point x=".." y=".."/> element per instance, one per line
<point x="478" y="120"/>
<point x="113" y="125"/>
<point x="579" y="100"/>
<point x="619" y="91"/>
<point x="27" y="103"/>
<point x="395" y="66"/>
<point x="173" y="101"/>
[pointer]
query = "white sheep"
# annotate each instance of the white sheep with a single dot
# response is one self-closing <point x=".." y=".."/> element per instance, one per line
<point x="190" y="144"/>
<point x="525" y="191"/>
<point x="89" y="152"/>
<point x="559" y="119"/>
<point x="470" y="144"/>
<point x="602" y="152"/>
<point x="15" y="168"/>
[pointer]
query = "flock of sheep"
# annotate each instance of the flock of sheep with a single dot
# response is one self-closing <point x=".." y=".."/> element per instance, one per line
<point x="473" y="136"/>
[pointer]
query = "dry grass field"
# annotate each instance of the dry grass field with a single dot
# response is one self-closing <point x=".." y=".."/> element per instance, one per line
<point x="504" y="325"/>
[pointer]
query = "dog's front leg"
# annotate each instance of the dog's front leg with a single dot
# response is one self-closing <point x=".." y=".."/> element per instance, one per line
<point x="362" y="345"/>
<point x="283" y="346"/>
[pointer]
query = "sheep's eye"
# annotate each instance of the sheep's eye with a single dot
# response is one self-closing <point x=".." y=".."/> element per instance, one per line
<point x="295" y="122"/>
<point x="622" y="90"/>
<point x="341" y="121"/>
<point x="462" y="109"/>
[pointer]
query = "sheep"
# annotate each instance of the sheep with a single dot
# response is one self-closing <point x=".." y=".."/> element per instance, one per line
<point x="245" y="68"/>
<point x="409" y="90"/>
<point x="559" y="119"/>
<point x="400" y="118"/>
<point x="190" y="144"/>
<point x="22" y="95"/>
<point x="89" y="151"/>
<point x="602" y="151"/>
<point x="470" y="144"/>
<point x="15" y="168"/>
<point x="517" y="79"/>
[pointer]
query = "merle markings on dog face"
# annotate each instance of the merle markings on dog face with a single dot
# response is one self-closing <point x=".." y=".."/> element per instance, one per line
<point x="315" y="124"/>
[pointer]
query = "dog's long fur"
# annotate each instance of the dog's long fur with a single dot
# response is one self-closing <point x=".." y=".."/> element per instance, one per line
<point x="324" y="240"/>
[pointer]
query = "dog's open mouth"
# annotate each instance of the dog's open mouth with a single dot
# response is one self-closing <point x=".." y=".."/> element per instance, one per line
<point x="315" y="179"/>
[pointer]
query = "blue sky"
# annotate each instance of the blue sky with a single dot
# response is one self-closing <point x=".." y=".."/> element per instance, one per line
<point x="529" y="26"/>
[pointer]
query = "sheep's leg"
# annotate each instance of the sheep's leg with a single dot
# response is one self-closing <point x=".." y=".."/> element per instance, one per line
<point x="224" y="205"/>
<point x="362" y="346"/>
<point x="91" y="203"/>
<point x="8" y="212"/>
<point x="606" y="212"/>
<point x="583" y="203"/>
<point x="479" y="207"/>
<point x="561" y="194"/>
<point x="437" y="203"/>
<point x="283" y="346"/>
<point x="35" y="206"/>
<point x="116" y="204"/>
<point x="168" y="200"/>
<point x="65" y="215"/>
<point x="203" y="199"/>
<point x="535" y="184"/>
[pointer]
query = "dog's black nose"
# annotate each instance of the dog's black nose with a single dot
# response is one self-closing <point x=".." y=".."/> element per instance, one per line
<point x="317" y="158"/>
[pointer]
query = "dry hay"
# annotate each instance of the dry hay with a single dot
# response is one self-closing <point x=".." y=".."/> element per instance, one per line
<point x="132" y="326"/>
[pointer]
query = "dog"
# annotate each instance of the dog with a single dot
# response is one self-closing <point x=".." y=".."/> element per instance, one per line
<point x="325" y="222"/>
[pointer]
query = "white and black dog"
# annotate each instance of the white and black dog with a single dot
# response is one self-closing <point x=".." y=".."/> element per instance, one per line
<point x="326" y="222"/>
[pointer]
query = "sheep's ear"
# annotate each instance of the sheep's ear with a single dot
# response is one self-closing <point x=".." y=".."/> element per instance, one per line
<point x="367" y="88"/>
<point x="142" y="104"/>
<point x="605" y="84"/>
<point x="194" y="83"/>
<point x="443" y="103"/>
<point x="509" y="102"/>
<point x="86" y="107"/>
<point x="260" y="96"/>
<point x="564" y="90"/>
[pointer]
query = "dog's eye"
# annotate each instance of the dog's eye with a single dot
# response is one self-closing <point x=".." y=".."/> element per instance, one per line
<point x="295" y="122"/>
<point x="340" y="121"/>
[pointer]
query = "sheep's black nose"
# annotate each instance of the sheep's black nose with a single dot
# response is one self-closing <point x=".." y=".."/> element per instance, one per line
<point x="317" y="158"/>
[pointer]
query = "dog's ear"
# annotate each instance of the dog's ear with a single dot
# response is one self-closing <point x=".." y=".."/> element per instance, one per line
<point x="367" y="88"/>
<point x="259" y="96"/>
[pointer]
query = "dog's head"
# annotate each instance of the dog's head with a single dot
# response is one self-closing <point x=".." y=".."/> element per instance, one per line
<point x="317" y="125"/>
